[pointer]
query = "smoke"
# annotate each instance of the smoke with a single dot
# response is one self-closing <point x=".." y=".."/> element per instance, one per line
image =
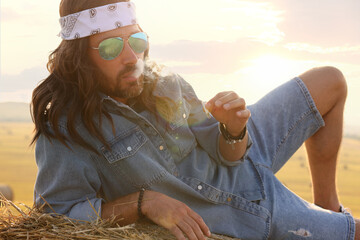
<point x="154" y="70"/>
<point x="139" y="68"/>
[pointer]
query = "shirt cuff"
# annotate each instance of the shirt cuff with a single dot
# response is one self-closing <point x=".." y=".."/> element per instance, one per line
<point x="88" y="210"/>
<point x="237" y="162"/>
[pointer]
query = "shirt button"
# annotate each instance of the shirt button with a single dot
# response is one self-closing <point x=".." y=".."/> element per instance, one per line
<point x="229" y="199"/>
<point x="129" y="149"/>
<point x="184" y="115"/>
<point x="161" y="148"/>
<point x="200" y="187"/>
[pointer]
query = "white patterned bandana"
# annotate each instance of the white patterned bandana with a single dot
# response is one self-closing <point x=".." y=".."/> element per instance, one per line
<point x="97" y="20"/>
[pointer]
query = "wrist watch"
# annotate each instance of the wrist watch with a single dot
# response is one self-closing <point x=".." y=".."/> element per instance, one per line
<point x="230" y="139"/>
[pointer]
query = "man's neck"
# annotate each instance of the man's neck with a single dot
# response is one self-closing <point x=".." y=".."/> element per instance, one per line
<point x="122" y="100"/>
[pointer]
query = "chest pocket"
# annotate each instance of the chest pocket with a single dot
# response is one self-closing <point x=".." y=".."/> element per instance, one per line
<point x="125" y="145"/>
<point x="129" y="155"/>
<point x="179" y="138"/>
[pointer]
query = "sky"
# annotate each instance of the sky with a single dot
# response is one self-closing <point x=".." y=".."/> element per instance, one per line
<point x="249" y="47"/>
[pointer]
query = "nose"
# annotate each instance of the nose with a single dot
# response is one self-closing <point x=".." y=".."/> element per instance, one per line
<point x="128" y="56"/>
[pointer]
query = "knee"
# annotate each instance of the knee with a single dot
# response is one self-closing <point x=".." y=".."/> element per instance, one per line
<point x="327" y="82"/>
<point x="335" y="78"/>
<point x="327" y="86"/>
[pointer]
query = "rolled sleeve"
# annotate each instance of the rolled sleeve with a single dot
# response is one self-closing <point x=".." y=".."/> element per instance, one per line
<point x="88" y="210"/>
<point x="237" y="162"/>
<point x="68" y="181"/>
<point x="204" y="128"/>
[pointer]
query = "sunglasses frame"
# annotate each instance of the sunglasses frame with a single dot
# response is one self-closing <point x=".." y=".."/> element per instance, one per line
<point x="125" y="40"/>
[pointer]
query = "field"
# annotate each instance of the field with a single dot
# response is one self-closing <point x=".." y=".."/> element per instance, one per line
<point x="18" y="168"/>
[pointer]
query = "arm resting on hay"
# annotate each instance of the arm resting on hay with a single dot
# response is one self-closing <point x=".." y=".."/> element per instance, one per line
<point x="67" y="180"/>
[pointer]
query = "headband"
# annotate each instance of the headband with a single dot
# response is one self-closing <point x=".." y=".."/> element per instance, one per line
<point x="97" y="20"/>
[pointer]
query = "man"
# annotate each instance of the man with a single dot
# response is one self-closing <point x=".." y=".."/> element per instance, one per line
<point x="115" y="138"/>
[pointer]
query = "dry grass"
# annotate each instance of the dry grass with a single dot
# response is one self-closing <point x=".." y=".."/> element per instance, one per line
<point x="31" y="223"/>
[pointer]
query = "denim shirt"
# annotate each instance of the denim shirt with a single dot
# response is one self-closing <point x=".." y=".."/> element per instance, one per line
<point x="180" y="158"/>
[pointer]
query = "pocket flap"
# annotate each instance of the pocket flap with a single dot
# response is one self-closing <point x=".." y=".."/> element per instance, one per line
<point x="124" y="145"/>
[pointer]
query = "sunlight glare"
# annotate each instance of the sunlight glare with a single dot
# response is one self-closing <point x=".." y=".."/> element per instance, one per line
<point x="269" y="71"/>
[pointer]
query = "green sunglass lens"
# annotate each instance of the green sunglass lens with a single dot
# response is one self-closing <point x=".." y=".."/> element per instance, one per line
<point x="138" y="42"/>
<point x="111" y="48"/>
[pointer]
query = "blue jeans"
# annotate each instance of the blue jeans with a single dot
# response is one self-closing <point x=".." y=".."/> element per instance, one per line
<point x="280" y="123"/>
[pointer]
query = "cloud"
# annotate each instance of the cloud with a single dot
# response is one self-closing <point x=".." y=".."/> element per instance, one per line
<point x="16" y="96"/>
<point x="8" y="14"/>
<point x="208" y="19"/>
<point x="322" y="31"/>
<point x="19" y="87"/>
<point x="322" y="22"/>
<point x="23" y="13"/>
<point x="340" y="54"/>
<point x="210" y="57"/>
<point x="317" y="49"/>
<point x="226" y="57"/>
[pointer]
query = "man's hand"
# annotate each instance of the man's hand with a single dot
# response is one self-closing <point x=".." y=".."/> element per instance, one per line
<point x="230" y="109"/>
<point x="175" y="216"/>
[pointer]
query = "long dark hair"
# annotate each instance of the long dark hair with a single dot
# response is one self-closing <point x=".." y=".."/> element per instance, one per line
<point x="72" y="85"/>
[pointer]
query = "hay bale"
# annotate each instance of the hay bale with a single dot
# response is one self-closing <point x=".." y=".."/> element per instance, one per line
<point x="6" y="191"/>
<point x="33" y="224"/>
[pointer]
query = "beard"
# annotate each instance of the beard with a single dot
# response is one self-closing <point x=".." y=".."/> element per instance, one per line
<point x="121" y="89"/>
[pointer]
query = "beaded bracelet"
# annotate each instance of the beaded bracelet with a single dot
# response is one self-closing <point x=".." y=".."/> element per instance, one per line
<point x="229" y="138"/>
<point x="141" y="195"/>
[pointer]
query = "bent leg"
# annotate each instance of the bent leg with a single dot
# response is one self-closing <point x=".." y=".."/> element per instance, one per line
<point x="328" y="88"/>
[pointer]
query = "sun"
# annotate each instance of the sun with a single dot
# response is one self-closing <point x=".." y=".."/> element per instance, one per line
<point x="264" y="73"/>
<point x="269" y="71"/>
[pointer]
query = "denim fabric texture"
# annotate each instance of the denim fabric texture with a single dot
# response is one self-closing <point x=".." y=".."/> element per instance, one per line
<point x="181" y="159"/>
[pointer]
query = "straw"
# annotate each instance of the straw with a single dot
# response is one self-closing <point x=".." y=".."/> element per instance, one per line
<point x="33" y="223"/>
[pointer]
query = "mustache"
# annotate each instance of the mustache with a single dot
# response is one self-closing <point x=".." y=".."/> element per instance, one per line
<point x="137" y="69"/>
<point x="126" y="70"/>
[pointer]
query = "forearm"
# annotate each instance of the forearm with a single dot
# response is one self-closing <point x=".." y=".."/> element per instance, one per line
<point x="231" y="113"/>
<point x="165" y="211"/>
<point x="123" y="209"/>
<point x="233" y="152"/>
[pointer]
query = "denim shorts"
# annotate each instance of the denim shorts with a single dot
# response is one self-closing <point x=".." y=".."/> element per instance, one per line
<point x="279" y="125"/>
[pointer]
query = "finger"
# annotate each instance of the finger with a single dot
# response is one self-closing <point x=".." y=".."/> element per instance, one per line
<point x="237" y="103"/>
<point x="196" y="228"/>
<point x="245" y="114"/>
<point x="211" y="103"/>
<point x="198" y="219"/>
<point x="177" y="233"/>
<point x="230" y="96"/>
<point x="187" y="229"/>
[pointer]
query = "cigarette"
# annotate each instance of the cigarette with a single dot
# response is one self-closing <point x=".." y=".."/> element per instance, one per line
<point x="207" y="112"/>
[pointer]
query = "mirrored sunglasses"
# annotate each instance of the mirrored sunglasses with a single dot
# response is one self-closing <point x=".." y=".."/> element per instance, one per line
<point x="111" y="48"/>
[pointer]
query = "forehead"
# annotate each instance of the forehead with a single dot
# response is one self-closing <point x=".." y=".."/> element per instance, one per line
<point x="119" y="32"/>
